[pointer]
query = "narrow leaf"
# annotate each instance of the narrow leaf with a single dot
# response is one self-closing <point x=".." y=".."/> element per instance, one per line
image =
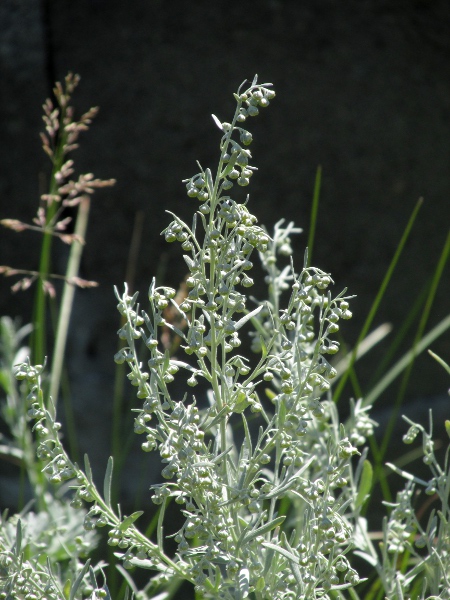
<point x="287" y="484"/>
<point x="440" y="361"/>
<point x="78" y="580"/>
<point x="264" y="350"/>
<point x="87" y="469"/>
<point x="209" y="181"/>
<point x="107" y="482"/>
<point x="285" y="553"/>
<point x="247" y="317"/>
<point x="18" y="546"/>
<point x="263" y="529"/>
<point x="128" y="521"/>
<point x="142" y="563"/>
<point x="269" y="393"/>
<point x="128" y="579"/>
<point x="248" y="437"/>
<point x="399" y="366"/>
<point x="314" y="210"/>
<point x="244" y="581"/>
<point x="230" y="165"/>
<point x="365" y="484"/>
<point x="217" y="122"/>
<point x="406" y="475"/>
<point x="377" y="301"/>
<point x="296" y="572"/>
<point x="92" y="579"/>
<point x="66" y="589"/>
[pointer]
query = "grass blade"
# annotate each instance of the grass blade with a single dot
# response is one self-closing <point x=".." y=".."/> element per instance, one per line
<point x="314" y="211"/>
<point x="400" y="365"/>
<point x="73" y="267"/>
<point x="107" y="482"/>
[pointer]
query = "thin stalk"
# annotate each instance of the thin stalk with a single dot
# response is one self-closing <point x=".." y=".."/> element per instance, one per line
<point x="400" y="335"/>
<point x="401" y="364"/>
<point x="73" y="266"/>
<point x="38" y="342"/>
<point x="314" y="210"/>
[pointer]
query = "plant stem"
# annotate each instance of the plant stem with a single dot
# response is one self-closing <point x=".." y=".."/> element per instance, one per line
<point x="67" y="299"/>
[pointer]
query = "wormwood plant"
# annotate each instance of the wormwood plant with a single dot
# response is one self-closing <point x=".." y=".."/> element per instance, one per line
<point x="266" y="478"/>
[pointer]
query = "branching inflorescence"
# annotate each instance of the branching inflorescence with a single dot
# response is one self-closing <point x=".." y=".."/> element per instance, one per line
<point x="234" y="537"/>
<point x="239" y="536"/>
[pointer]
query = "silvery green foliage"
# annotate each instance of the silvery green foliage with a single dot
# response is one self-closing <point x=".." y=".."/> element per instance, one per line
<point x="423" y="534"/>
<point x="271" y="517"/>
<point x="40" y="552"/>
<point x="234" y="540"/>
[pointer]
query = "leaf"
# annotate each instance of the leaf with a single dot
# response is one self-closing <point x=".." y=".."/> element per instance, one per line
<point x="18" y="544"/>
<point x="365" y="484"/>
<point x="209" y="181"/>
<point x="406" y="475"/>
<point x="440" y="361"/>
<point x="230" y="165"/>
<point x="107" y="482"/>
<point x="189" y="261"/>
<point x="128" y="521"/>
<point x="247" y="317"/>
<point x="269" y="393"/>
<point x="296" y="572"/>
<point x="244" y="581"/>
<point x="92" y="579"/>
<point x="217" y="122"/>
<point x="87" y="468"/>
<point x="128" y="579"/>
<point x="66" y="589"/>
<point x="78" y="580"/>
<point x="283" y="487"/>
<point x="142" y="563"/>
<point x="263" y="529"/>
<point x="246" y="448"/>
<point x="285" y="553"/>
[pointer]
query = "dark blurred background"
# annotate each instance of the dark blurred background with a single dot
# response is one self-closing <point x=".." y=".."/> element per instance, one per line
<point x="362" y="90"/>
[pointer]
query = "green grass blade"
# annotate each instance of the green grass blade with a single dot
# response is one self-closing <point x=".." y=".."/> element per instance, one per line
<point x="400" y="335"/>
<point x="440" y="361"/>
<point x="37" y="342"/>
<point x="365" y="484"/>
<point x="365" y="346"/>
<point x="73" y="266"/>
<point x="107" y="482"/>
<point x="400" y="365"/>
<point x="314" y="210"/>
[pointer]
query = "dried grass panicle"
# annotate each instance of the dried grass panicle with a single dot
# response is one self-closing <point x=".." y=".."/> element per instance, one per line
<point x="60" y="138"/>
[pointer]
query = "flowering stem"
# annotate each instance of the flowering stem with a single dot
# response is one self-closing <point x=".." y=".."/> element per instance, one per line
<point x="39" y="318"/>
